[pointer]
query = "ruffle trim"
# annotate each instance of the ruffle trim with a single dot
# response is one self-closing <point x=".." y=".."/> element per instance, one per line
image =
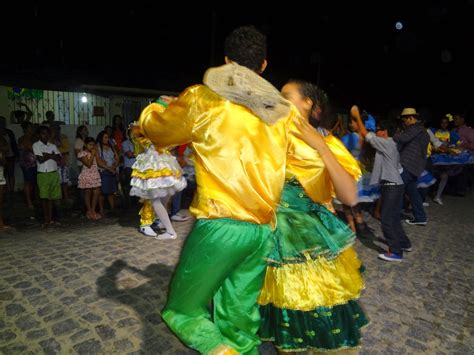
<point x="153" y="174"/>
<point x="156" y="188"/>
<point x="314" y="283"/>
<point x="324" y="329"/>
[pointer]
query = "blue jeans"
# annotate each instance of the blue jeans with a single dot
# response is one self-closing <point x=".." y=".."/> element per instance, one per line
<point x="414" y="195"/>
<point x="176" y="203"/>
<point x="392" y="196"/>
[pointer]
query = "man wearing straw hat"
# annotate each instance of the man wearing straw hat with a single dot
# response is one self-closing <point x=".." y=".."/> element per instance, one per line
<point x="413" y="144"/>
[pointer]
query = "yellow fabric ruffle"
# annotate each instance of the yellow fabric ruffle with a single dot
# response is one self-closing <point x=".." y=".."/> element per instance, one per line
<point x="147" y="214"/>
<point x="315" y="283"/>
<point x="152" y="174"/>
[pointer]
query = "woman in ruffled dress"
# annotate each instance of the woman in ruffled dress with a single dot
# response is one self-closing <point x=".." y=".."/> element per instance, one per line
<point x="156" y="176"/>
<point x="313" y="278"/>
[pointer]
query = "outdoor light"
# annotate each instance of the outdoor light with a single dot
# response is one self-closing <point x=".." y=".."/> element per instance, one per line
<point x="399" y="25"/>
<point x="84" y="98"/>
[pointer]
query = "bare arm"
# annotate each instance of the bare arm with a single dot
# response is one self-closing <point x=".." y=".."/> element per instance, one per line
<point x="100" y="162"/>
<point x="344" y="185"/>
<point x="88" y="160"/>
<point x="356" y="116"/>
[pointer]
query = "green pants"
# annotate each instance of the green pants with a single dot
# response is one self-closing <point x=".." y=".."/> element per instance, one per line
<point x="223" y="260"/>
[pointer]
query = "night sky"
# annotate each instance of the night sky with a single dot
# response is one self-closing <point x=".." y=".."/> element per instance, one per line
<point x="354" y="51"/>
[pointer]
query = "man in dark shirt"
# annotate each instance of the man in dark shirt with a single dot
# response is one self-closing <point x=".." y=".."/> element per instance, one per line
<point x="413" y="145"/>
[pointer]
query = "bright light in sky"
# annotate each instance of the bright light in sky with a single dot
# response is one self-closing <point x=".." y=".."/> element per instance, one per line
<point x="399" y="25"/>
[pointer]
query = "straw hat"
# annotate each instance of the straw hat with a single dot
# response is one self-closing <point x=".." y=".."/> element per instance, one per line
<point x="409" y="111"/>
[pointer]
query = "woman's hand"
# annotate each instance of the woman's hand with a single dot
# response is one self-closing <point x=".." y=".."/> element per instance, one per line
<point x="309" y="134"/>
<point x="168" y="99"/>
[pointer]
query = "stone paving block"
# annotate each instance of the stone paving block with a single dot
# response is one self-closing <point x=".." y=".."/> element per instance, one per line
<point x="117" y="314"/>
<point x="14" y="349"/>
<point x="128" y="322"/>
<point x="105" y="332"/>
<point x="82" y="270"/>
<point x="122" y="345"/>
<point x="48" y="285"/>
<point x="70" y="265"/>
<point x="41" y="278"/>
<point x="6" y="296"/>
<point x="91" y="317"/>
<point x="46" y="310"/>
<point x="14" y="309"/>
<point x="65" y="326"/>
<point x="83" y="291"/>
<point x="81" y="334"/>
<point x="6" y="336"/>
<point x="26" y="322"/>
<point x="55" y="316"/>
<point x="30" y="292"/>
<point x="416" y="345"/>
<point x="23" y="284"/>
<point x="59" y="272"/>
<point x="36" y="300"/>
<point x="154" y="318"/>
<point x="69" y="278"/>
<point x="50" y="346"/>
<point x="14" y="279"/>
<point x="69" y="300"/>
<point x="34" y="334"/>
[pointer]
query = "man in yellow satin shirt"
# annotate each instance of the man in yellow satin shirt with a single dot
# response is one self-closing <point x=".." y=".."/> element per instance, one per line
<point x="238" y="124"/>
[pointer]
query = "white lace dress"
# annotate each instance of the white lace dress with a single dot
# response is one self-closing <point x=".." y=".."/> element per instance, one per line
<point x="156" y="175"/>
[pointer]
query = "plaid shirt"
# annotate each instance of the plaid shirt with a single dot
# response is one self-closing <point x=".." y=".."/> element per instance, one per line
<point x="413" y="146"/>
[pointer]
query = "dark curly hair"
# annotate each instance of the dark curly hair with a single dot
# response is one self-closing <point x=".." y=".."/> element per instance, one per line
<point x="247" y="47"/>
<point x="319" y="98"/>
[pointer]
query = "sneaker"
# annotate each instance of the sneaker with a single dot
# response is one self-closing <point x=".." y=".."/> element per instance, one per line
<point x="166" y="236"/>
<point x="416" y="223"/>
<point x="179" y="218"/>
<point x="390" y="257"/>
<point x="407" y="249"/>
<point x="148" y="231"/>
<point x="438" y="201"/>
<point x="426" y="204"/>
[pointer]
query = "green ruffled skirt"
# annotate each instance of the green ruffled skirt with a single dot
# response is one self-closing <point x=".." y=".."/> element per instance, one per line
<point x="313" y="279"/>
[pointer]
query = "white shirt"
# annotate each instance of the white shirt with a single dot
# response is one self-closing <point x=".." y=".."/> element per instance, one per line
<point x="49" y="165"/>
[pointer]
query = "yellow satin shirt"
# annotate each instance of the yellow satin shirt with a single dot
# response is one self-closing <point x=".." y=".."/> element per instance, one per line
<point x="238" y="158"/>
<point x="240" y="161"/>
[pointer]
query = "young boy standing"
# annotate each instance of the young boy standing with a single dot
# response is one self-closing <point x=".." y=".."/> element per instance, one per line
<point x="47" y="156"/>
<point x="386" y="172"/>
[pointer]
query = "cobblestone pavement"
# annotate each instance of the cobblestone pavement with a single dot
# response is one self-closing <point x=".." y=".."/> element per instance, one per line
<point x="98" y="288"/>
